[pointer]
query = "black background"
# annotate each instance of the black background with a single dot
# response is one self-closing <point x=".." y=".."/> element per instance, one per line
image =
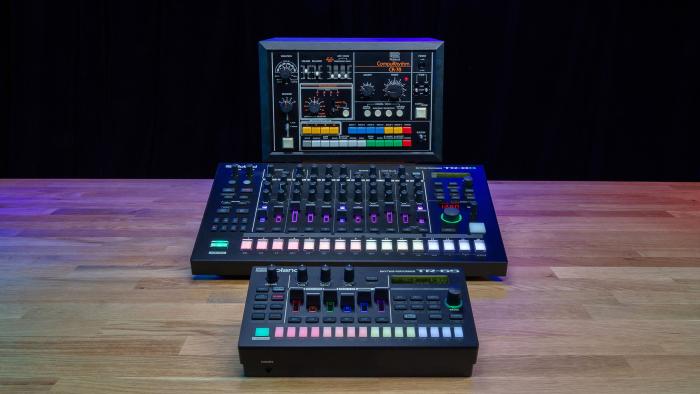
<point x="534" y="89"/>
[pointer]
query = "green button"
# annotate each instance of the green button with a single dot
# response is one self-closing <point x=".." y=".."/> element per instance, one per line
<point x="262" y="332"/>
<point x="380" y="143"/>
<point x="386" y="332"/>
<point x="397" y="143"/>
<point x="218" y="244"/>
<point x="410" y="332"/>
<point x="374" y="332"/>
<point x="398" y="332"/>
<point x="371" y="143"/>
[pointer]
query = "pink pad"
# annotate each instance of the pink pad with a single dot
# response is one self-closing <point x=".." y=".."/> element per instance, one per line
<point x="362" y="332"/>
<point x="351" y="332"/>
<point x="314" y="332"/>
<point x="279" y="332"/>
<point x="303" y="332"/>
<point x="291" y="332"/>
<point x="327" y="332"/>
<point x="339" y="332"/>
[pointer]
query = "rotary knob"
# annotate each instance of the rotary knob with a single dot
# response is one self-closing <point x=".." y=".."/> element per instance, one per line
<point x="454" y="298"/>
<point x="327" y="195"/>
<point x="271" y="276"/>
<point x="342" y="195"/>
<point x="451" y="215"/>
<point x="314" y="105"/>
<point x="302" y="274"/>
<point x="329" y="170"/>
<point x="286" y="105"/>
<point x="394" y="89"/>
<point x="373" y="195"/>
<point x="325" y="274"/>
<point x="367" y="90"/>
<point x="349" y="274"/>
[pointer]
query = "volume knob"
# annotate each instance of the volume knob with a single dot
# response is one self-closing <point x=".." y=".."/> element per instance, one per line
<point x="302" y="274"/>
<point x="349" y="274"/>
<point x="454" y="298"/>
<point x="325" y="274"/>
<point x="271" y="274"/>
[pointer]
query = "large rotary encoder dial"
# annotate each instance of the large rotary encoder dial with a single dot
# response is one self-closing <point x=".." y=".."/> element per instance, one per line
<point x="367" y="90"/>
<point x="314" y="105"/>
<point x="394" y="89"/>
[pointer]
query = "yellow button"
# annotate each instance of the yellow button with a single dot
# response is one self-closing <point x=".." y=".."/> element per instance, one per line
<point x="398" y="130"/>
<point x="315" y="130"/>
<point x="335" y="130"/>
<point x="306" y="130"/>
<point x="388" y="130"/>
<point x="324" y="130"/>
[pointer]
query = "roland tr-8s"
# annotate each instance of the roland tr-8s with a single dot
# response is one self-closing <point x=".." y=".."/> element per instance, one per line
<point x="338" y="214"/>
<point x="363" y="321"/>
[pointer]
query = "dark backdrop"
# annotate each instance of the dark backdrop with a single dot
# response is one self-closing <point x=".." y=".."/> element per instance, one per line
<point x="534" y="89"/>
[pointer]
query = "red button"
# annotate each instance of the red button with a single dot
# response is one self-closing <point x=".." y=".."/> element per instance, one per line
<point x="406" y="143"/>
<point x="407" y="129"/>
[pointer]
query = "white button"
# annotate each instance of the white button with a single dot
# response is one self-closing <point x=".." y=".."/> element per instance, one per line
<point x="422" y="332"/>
<point x="293" y="244"/>
<point x="479" y="245"/>
<point x="388" y="113"/>
<point x="477" y="228"/>
<point x="278" y="244"/>
<point x="309" y="244"/>
<point x="398" y="332"/>
<point x="401" y="245"/>
<point x="355" y="244"/>
<point x="448" y="245"/>
<point x="371" y="245"/>
<point x="421" y="113"/>
<point x="387" y="245"/>
<point x="464" y="245"/>
<point x="458" y="332"/>
<point x="339" y="244"/>
<point x="378" y="113"/>
<point x="417" y="245"/>
<point x="368" y="113"/>
<point x="399" y="113"/>
<point x="324" y="244"/>
<point x="262" y="244"/>
<point x="446" y="333"/>
<point x="346" y="113"/>
<point x="435" y="332"/>
<point x="433" y="245"/>
<point x="247" y="244"/>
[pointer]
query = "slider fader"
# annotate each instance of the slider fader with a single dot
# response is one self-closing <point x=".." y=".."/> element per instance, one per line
<point x="357" y="321"/>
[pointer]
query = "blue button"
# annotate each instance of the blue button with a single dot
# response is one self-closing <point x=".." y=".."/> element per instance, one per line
<point x="352" y="130"/>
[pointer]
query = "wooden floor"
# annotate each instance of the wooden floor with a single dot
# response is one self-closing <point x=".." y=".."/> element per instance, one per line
<point x="602" y="293"/>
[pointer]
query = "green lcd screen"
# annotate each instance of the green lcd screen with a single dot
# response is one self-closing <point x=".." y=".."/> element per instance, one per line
<point x="419" y="280"/>
<point x="450" y="174"/>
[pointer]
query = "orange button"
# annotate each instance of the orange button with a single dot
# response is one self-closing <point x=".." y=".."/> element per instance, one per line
<point x="316" y="130"/>
<point x="397" y="130"/>
<point x="324" y="130"/>
<point x="334" y="130"/>
<point x="407" y="143"/>
<point x="407" y="129"/>
<point x="306" y="130"/>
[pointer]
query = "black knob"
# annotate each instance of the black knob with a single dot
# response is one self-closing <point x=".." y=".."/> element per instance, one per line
<point x="265" y="194"/>
<point x="327" y="195"/>
<point x="468" y="182"/>
<point x="296" y="194"/>
<point x="270" y="168"/>
<point x="343" y="169"/>
<point x="394" y="89"/>
<point x="373" y="195"/>
<point x="372" y="170"/>
<point x="271" y="274"/>
<point x="325" y="274"/>
<point x="342" y="195"/>
<point x="314" y="169"/>
<point x="388" y="195"/>
<point x="419" y="195"/>
<point x="281" y="194"/>
<point x="451" y="215"/>
<point x="329" y="170"/>
<point x="286" y="105"/>
<point x="358" y="178"/>
<point x="402" y="170"/>
<point x="302" y="274"/>
<point x="349" y="274"/>
<point x="403" y="196"/>
<point x="418" y="184"/>
<point x="367" y="90"/>
<point x="285" y="73"/>
<point x="454" y="297"/>
<point x="358" y="195"/>
<point x="312" y="194"/>
<point x="314" y="106"/>
<point x="249" y="170"/>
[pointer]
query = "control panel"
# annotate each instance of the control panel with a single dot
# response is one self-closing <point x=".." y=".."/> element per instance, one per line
<point x="350" y="97"/>
<point x="315" y="213"/>
<point x="357" y="321"/>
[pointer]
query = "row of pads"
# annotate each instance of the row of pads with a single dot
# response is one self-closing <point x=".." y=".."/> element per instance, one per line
<point x="359" y="332"/>
<point x="356" y="143"/>
<point x="370" y="245"/>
